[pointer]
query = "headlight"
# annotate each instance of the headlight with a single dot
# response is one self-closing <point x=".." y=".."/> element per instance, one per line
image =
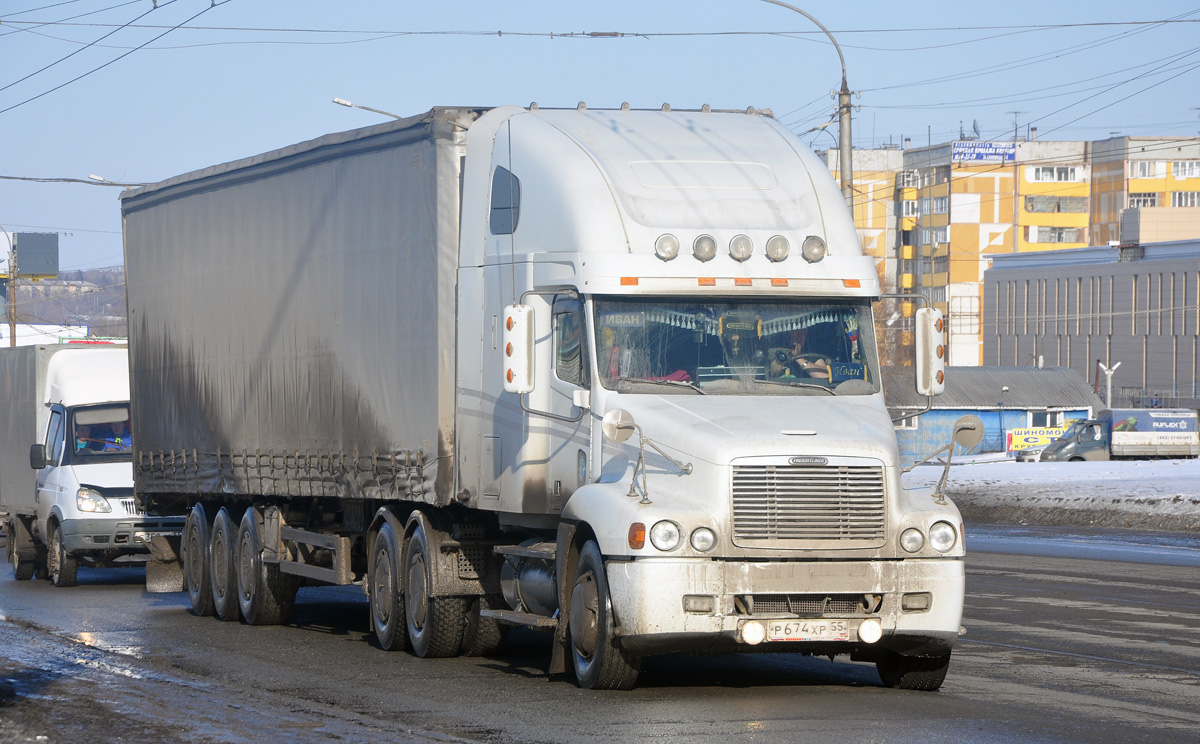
<point x="912" y="540"/>
<point x="666" y="247"/>
<point x="942" y="536"/>
<point x="704" y="248"/>
<point x="665" y="535"/>
<point x="88" y="500"/>
<point x="777" y="248"/>
<point x="703" y="539"/>
<point x="813" y="249"/>
<point x="740" y="247"/>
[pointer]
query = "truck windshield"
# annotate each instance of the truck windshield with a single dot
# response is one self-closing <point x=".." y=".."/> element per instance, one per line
<point x="735" y="347"/>
<point x="100" y="433"/>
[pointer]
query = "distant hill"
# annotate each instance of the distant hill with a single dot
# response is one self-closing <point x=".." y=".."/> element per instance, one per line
<point x="91" y="297"/>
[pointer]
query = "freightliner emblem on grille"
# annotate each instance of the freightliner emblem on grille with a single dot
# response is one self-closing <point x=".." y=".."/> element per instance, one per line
<point x="809" y="461"/>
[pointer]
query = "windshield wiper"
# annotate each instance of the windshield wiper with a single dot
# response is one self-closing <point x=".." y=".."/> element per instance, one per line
<point x="671" y="383"/>
<point x="811" y="385"/>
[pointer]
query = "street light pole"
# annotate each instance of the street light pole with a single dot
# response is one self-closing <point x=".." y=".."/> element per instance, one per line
<point x="1108" y="373"/>
<point x="1003" y="439"/>
<point x="844" y="144"/>
<point x="344" y="102"/>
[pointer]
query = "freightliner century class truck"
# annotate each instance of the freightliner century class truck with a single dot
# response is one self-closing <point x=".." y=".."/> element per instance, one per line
<point x="608" y="373"/>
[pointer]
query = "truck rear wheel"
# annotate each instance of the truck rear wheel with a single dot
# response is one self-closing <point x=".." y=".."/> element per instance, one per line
<point x="435" y="624"/>
<point x="222" y="573"/>
<point x="197" y="569"/>
<point x="22" y="570"/>
<point x="600" y="663"/>
<point x="387" y="600"/>
<point x="63" y="567"/>
<point x="484" y="636"/>
<point x="912" y="672"/>
<point x="266" y="595"/>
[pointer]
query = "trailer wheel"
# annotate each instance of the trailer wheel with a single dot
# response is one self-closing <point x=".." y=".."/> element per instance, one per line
<point x="600" y="663"/>
<point x="265" y="594"/>
<point x="222" y="572"/>
<point x="22" y="570"/>
<point x="63" y="567"/>
<point x="484" y="636"/>
<point x="197" y="568"/>
<point x="387" y="600"/>
<point x="912" y="672"/>
<point x="435" y="624"/>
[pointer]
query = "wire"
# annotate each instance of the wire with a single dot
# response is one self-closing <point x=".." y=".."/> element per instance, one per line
<point x="33" y="26"/>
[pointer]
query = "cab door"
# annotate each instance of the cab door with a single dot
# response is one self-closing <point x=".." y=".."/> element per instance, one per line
<point x="49" y="487"/>
<point x="570" y="381"/>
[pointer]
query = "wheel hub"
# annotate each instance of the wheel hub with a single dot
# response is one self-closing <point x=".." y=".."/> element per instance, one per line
<point x="414" y="595"/>
<point x="585" y="604"/>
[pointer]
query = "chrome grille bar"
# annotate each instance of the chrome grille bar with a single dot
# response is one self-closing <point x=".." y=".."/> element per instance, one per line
<point x="807" y="502"/>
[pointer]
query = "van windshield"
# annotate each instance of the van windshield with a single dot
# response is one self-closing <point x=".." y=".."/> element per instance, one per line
<point x="100" y="433"/>
<point x="735" y="347"/>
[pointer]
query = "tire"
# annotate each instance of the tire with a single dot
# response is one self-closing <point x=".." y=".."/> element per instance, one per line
<point x="600" y="663"/>
<point x="912" y="672"/>
<point x="64" y="568"/>
<point x="197" y="568"/>
<point x="484" y="636"/>
<point x="222" y="574"/>
<point x="266" y="595"/>
<point x="435" y="624"/>
<point x="22" y="570"/>
<point x="386" y="598"/>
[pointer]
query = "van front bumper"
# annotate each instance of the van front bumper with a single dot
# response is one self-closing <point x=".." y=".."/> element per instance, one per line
<point x="128" y="534"/>
<point x="670" y="605"/>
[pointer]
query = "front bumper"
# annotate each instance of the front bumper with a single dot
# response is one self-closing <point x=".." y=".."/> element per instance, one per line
<point x="648" y="598"/>
<point x="128" y="534"/>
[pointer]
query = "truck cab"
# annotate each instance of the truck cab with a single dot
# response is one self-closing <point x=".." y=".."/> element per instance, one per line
<point x="1083" y="440"/>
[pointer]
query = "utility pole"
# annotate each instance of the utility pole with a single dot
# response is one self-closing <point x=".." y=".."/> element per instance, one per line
<point x="844" y="143"/>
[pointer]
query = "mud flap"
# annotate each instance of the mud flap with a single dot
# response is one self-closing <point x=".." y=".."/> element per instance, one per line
<point x="567" y="555"/>
<point x="164" y="570"/>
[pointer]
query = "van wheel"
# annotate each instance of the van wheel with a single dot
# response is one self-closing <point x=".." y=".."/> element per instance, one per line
<point x="197" y="569"/>
<point x="435" y="624"/>
<point x="600" y="663"/>
<point x="266" y="595"/>
<point x="387" y="599"/>
<point x="22" y="570"/>
<point x="912" y="672"/>
<point x="222" y="574"/>
<point x="63" y="567"/>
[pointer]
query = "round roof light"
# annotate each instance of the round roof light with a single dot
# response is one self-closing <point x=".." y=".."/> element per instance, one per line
<point x="666" y="247"/>
<point x="705" y="248"/>
<point x="777" y="248"/>
<point x="741" y="247"/>
<point x="813" y="249"/>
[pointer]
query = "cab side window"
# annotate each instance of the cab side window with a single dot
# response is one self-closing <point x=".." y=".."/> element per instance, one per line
<point x="570" y="343"/>
<point x="506" y="202"/>
<point x="55" y="437"/>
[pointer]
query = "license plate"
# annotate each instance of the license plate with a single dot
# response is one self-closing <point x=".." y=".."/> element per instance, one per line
<point x="808" y="630"/>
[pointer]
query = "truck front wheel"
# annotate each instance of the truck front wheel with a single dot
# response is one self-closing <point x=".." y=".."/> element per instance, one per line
<point x="63" y="567"/>
<point x="600" y="663"/>
<point x="197" y="571"/>
<point x="387" y="601"/>
<point x="265" y="594"/>
<point x="435" y="624"/>
<point x="222" y="566"/>
<point x="912" y="672"/>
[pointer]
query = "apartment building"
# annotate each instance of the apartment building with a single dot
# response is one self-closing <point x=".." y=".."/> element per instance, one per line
<point x="1145" y="189"/>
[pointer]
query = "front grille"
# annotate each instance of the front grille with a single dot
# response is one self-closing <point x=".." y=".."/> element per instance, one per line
<point x="131" y="508"/>
<point x="803" y="605"/>
<point x="807" y="502"/>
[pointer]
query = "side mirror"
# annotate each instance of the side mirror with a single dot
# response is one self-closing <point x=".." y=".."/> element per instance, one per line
<point x="931" y="352"/>
<point x="968" y="431"/>
<point x="617" y="425"/>
<point x="37" y="456"/>
<point x="518" y="341"/>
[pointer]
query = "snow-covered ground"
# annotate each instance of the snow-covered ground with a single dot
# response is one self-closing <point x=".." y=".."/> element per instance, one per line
<point x="1133" y="494"/>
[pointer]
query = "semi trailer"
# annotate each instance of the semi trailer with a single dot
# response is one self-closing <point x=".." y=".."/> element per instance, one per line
<point x="611" y="374"/>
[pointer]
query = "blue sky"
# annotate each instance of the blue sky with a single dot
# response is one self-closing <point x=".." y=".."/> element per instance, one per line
<point x="262" y="74"/>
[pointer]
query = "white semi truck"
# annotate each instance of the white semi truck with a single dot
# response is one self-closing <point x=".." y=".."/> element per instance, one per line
<point x="608" y="373"/>
<point x="66" y="482"/>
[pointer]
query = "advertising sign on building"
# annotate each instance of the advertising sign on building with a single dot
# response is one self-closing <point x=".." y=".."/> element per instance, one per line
<point x="983" y="152"/>
<point x="1033" y="437"/>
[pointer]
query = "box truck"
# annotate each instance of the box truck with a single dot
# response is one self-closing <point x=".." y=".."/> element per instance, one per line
<point x="66" y="479"/>
<point x="1128" y="433"/>
<point x="607" y="373"/>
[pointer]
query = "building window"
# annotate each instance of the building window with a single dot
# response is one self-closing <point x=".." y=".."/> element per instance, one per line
<point x="907" y="424"/>
<point x="1053" y="235"/>
<point x="1039" y="419"/>
<point x="908" y="208"/>
<point x="1185" y="198"/>
<point x="940" y="235"/>
<point x="925" y="205"/>
<point x="941" y="264"/>
<point x="924" y="233"/>
<point x="1143" y="199"/>
<point x="1186" y="169"/>
<point x="937" y="294"/>
<point x="1054" y="173"/>
<point x="909" y="179"/>
<point x="927" y="178"/>
<point x="1055" y="204"/>
<point x="941" y="204"/>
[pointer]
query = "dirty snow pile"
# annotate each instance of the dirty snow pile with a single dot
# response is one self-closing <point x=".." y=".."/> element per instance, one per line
<point x="1132" y="494"/>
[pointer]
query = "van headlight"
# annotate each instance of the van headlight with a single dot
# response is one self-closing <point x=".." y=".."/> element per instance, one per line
<point x="942" y="536"/>
<point x="87" y="500"/>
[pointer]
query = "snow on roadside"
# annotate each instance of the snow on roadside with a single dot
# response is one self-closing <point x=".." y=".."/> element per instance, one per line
<point x="1131" y="494"/>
